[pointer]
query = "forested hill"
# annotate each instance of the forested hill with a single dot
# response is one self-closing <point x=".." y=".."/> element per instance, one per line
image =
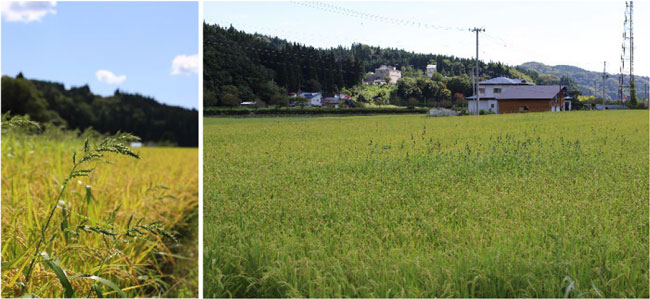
<point x="373" y="57"/>
<point x="585" y="79"/>
<point x="79" y="108"/>
<point x="252" y="67"/>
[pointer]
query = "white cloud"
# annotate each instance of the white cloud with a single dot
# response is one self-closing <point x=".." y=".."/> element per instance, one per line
<point x="26" y="11"/>
<point x="109" y="78"/>
<point x="185" y="64"/>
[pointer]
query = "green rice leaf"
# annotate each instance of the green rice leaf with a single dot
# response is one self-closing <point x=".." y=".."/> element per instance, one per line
<point x="103" y="281"/>
<point x="60" y="274"/>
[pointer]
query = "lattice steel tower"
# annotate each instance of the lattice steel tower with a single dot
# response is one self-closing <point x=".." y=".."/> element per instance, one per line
<point x="627" y="92"/>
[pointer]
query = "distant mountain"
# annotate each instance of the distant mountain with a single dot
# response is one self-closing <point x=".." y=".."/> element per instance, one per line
<point x="586" y="79"/>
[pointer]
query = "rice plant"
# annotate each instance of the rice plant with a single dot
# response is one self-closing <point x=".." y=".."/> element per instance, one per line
<point x="72" y="242"/>
<point x="524" y="205"/>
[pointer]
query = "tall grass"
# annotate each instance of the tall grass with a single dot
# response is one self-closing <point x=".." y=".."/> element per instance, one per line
<point x="528" y="205"/>
<point x="83" y="218"/>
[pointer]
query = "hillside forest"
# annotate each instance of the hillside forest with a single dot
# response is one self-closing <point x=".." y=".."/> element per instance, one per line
<point x="77" y="108"/>
<point x="240" y="66"/>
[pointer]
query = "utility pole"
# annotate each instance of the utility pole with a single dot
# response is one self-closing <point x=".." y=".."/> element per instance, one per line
<point x="477" y="97"/>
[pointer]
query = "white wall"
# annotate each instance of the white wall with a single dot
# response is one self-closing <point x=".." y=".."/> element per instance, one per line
<point x="431" y="71"/>
<point x="316" y="100"/>
<point x="493" y="105"/>
<point x="489" y="89"/>
<point x="483" y="105"/>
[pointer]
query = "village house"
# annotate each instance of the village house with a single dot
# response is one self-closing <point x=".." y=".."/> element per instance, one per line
<point x="334" y="100"/>
<point x="380" y="74"/>
<point x="313" y="98"/>
<point x="504" y="95"/>
<point x="331" y="102"/>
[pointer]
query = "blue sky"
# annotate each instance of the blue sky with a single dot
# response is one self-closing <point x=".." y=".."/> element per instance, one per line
<point x="107" y="45"/>
<point x="579" y="33"/>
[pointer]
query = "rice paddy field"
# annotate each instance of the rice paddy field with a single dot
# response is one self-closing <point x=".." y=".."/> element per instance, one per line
<point x="112" y="233"/>
<point x="520" y="205"/>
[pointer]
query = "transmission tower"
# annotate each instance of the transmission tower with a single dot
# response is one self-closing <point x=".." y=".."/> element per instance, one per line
<point x="632" y="88"/>
<point x="627" y="92"/>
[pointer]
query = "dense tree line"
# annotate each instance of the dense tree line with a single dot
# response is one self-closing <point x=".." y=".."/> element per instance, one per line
<point x="248" y="67"/>
<point x="79" y="108"/>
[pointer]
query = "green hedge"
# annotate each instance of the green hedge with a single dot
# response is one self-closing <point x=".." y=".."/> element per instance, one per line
<point x="215" y="111"/>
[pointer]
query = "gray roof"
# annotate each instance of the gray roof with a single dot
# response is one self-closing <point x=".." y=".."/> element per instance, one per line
<point x="529" y="92"/>
<point x="504" y="81"/>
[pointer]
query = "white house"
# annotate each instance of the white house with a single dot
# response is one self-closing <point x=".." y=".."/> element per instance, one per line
<point x="313" y="98"/>
<point x="431" y="69"/>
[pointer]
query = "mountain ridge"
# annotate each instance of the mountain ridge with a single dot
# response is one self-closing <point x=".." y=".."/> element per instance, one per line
<point x="586" y="79"/>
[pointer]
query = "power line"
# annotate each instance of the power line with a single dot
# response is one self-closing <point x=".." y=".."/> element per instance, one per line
<point x="384" y="19"/>
<point x="277" y="31"/>
<point x="368" y="16"/>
